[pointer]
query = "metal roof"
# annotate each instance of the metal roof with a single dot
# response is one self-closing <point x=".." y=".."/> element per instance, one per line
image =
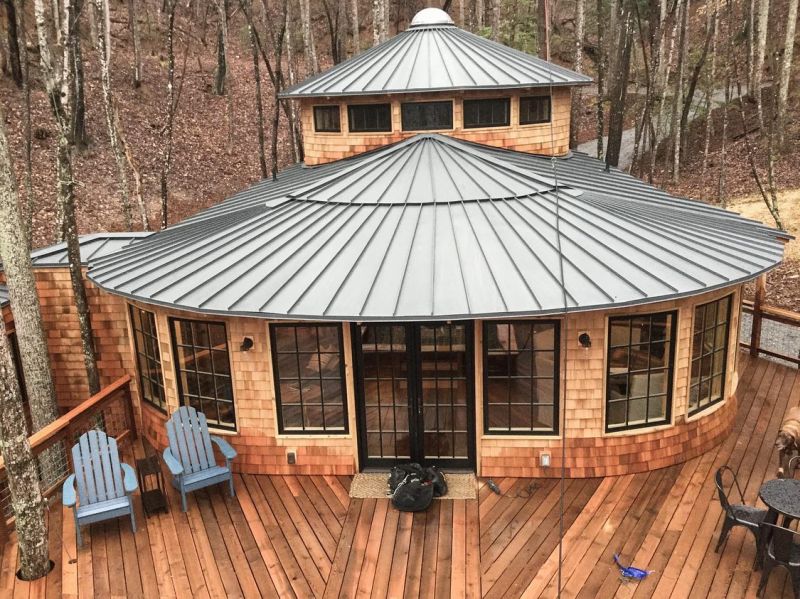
<point x="338" y="242"/>
<point x="94" y="245"/>
<point x="435" y="55"/>
<point x="4" y="299"/>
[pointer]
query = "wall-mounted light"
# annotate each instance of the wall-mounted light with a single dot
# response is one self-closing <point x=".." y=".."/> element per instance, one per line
<point x="585" y="340"/>
<point x="247" y="344"/>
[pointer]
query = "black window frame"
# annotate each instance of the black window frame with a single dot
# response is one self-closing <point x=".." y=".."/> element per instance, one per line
<point x="333" y="108"/>
<point x="182" y="399"/>
<point x="670" y="371"/>
<point x="154" y="343"/>
<point x="276" y="380"/>
<point x="536" y="122"/>
<point x="556" y="380"/>
<point x="407" y="105"/>
<point x="725" y="350"/>
<point x="378" y="127"/>
<point x="476" y="101"/>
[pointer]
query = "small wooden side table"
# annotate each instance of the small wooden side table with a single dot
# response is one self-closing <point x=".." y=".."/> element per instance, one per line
<point x="151" y="485"/>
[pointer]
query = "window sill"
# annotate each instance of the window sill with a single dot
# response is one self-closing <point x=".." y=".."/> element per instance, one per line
<point x="308" y="436"/>
<point x="521" y="437"/>
<point x="530" y="125"/>
<point x="222" y="432"/>
<point x="707" y="411"/>
<point x="642" y="430"/>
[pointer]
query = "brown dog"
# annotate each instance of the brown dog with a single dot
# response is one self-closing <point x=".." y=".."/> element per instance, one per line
<point x="788" y="440"/>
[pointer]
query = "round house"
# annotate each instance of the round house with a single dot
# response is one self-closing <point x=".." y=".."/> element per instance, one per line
<point x="442" y="281"/>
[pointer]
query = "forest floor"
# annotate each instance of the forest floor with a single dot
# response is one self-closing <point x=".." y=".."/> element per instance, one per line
<point x="210" y="163"/>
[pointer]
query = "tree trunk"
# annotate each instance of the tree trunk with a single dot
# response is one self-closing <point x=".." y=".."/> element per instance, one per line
<point x="761" y="50"/>
<point x="309" y="48"/>
<point x="24" y="299"/>
<point x="786" y="69"/>
<point x="72" y="13"/>
<point x="678" y="97"/>
<point x="751" y="41"/>
<point x="27" y="503"/>
<point x="277" y="88"/>
<point x="262" y="158"/>
<point x="14" y="57"/>
<point x="30" y="200"/>
<point x="115" y="136"/>
<point x="222" y="64"/>
<point x="618" y="96"/>
<point x="495" y="19"/>
<point x="711" y="82"/>
<point x="166" y="157"/>
<point x="355" y="30"/>
<point x="577" y="66"/>
<point x="137" y="44"/>
<point x="601" y="73"/>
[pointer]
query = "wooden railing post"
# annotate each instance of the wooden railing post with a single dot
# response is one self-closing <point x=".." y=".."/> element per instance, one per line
<point x="758" y="303"/>
<point x="129" y="411"/>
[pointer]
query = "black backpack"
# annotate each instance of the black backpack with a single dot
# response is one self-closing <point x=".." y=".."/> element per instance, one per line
<point x="413" y="494"/>
<point x="398" y="473"/>
<point x="436" y="478"/>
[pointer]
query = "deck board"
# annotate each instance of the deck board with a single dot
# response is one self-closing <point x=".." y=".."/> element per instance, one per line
<point x="302" y="536"/>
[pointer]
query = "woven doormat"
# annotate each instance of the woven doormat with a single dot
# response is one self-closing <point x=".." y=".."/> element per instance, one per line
<point x="374" y="485"/>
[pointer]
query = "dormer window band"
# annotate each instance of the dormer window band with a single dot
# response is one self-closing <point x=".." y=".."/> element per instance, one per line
<point x="369" y="118"/>
<point x="327" y="119"/>
<point x="534" y="110"/>
<point x="426" y="116"/>
<point x="493" y="112"/>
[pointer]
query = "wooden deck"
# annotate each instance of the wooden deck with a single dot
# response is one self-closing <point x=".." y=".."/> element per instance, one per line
<point x="285" y="536"/>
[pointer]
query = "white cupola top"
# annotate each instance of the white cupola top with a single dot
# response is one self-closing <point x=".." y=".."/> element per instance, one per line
<point x="431" y="16"/>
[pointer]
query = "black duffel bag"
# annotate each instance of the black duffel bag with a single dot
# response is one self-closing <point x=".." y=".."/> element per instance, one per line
<point x="436" y="478"/>
<point x="398" y="473"/>
<point x="413" y="494"/>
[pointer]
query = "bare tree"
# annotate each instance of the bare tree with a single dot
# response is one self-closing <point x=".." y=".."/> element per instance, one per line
<point x="678" y="93"/>
<point x="380" y="21"/>
<point x="30" y="201"/>
<point x="220" y="77"/>
<point x="355" y="27"/>
<point x="312" y="64"/>
<point x="786" y="69"/>
<point x="14" y="51"/>
<point x="480" y="13"/>
<point x="713" y="24"/>
<point x="577" y="65"/>
<point x="27" y="502"/>
<point x="495" y="19"/>
<point x="22" y="290"/>
<point x="619" y="91"/>
<point x="137" y="44"/>
<point x="115" y="132"/>
<point x="601" y="72"/>
<point x="761" y="51"/>
<point x="166" y="156"/>
<point x="73" y="61"/>
<point x="262" y="159"/>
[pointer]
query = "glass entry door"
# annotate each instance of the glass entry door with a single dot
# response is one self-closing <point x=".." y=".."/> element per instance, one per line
<point x="415" y="394"/>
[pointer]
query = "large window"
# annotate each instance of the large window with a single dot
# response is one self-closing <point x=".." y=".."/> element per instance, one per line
<point x="534" y="109"/>
<point x="326" y="119"/>
<point x="309" y="378"/>
<point x="487" y="113"/>
<point x="369" y="118"/>
<point x="203" y="367"/>
<point x="148" y="357"/>
<point x="521" y="377"/>
<point x="421" y="116"/>
<point x="640" y="364"/>
<point x="709" y="354"/>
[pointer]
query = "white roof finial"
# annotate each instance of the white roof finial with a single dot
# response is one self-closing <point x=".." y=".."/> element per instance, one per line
<point x="431" y="16"/>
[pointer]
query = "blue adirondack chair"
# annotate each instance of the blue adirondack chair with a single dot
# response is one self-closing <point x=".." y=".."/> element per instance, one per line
<point x="104" y="484"/>
<point x="190" y="457"/>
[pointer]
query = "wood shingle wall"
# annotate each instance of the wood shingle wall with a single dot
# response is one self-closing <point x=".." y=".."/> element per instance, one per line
<point x="536" y="139"/>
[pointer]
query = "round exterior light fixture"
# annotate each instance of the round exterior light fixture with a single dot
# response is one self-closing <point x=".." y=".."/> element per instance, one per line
<point x="247" y="344"/>
<point x="431" y="16"/>
<point x="585" y="340"/>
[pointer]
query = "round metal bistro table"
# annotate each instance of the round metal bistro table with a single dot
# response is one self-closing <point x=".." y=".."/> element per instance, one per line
<point x="782" y="497"/>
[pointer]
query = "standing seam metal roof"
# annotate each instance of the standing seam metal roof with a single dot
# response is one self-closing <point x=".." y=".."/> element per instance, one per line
<point x="436" y="228"/>
<point x="435" y="57"/>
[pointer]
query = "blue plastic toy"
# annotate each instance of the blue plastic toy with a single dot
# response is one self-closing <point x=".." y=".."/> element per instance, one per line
<point x="629" y="572"/>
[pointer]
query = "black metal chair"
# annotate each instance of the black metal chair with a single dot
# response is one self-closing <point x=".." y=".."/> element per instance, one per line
<point x="738" y="514"/>
<point x="781" y="550"/>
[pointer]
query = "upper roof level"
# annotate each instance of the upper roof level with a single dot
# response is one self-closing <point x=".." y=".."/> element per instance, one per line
<point x="435" y="55"/>
<point x="435" y="77"/>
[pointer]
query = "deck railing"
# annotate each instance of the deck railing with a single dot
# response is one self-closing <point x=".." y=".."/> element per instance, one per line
<point x="762" y="312"/>
<point x="111" y="410"/>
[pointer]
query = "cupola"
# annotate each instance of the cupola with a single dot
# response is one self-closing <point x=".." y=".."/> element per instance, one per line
<point x="436" y="77"/>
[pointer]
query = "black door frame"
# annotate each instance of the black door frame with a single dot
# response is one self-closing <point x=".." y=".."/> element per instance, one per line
<point x="416" y="424"/>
